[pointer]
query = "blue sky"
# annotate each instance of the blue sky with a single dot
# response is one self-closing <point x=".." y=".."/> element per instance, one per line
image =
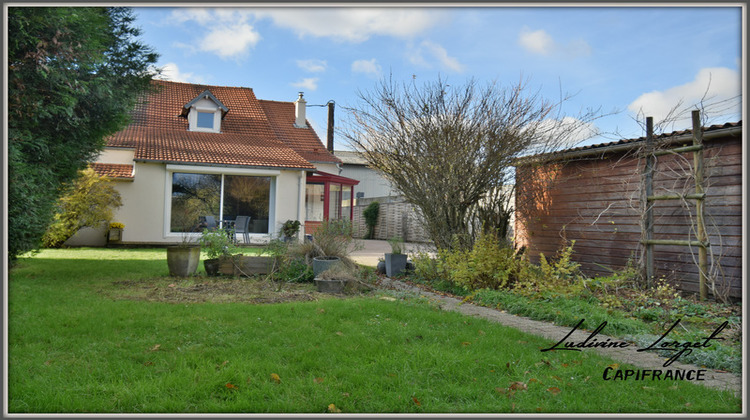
<point x="624" y="59"/>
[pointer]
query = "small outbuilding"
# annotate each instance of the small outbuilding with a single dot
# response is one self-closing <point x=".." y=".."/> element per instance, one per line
<point x="593" y="195"/>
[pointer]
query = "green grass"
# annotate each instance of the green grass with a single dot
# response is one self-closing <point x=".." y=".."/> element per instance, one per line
<point x="74" y="346"/>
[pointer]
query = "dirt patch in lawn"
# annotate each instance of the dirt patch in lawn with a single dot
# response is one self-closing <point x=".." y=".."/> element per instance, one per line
<point x="216" y="290"/>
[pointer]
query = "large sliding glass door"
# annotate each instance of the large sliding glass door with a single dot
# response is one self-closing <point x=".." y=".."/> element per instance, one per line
<point x="198" y="199"/>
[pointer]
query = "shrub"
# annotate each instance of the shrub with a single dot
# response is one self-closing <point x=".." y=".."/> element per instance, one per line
<point x="89" y="202"/>
<point x="371" y="214"/>
<point x="427" y="268"/>
<point x="561" y="276"/>
<point x="217" y="243"/>
<point x="486" y="265"/>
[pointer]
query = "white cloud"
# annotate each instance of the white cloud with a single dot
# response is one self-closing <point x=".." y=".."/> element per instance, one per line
<point x="310" y="83"/>
<point x="230" y="41"/>
<point x="171" y="71"/>
<point x="353" y="24"/>
<point x="540" y="42"/>
<point x="312" y="65"/>
<point x="716" y="87"/>
<point x="434" y="52"/>
<point x="224" y="32"/>
<point x="369" y="67"/>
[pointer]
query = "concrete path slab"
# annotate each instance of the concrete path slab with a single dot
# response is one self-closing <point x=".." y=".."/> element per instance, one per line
<point x="555" y="333"/>
<point x="368" y="251"/>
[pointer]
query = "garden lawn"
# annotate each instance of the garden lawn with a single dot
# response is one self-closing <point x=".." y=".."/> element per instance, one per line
<point x="76" y="346"/>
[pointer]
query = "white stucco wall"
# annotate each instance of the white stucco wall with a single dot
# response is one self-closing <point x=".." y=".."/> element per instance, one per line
<point x="123" y="156"/>
<point x="147" y="200"/>
<point x="370" y="181"/>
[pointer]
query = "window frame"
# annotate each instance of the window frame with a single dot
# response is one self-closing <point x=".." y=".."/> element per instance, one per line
<point x="172" y="168"/>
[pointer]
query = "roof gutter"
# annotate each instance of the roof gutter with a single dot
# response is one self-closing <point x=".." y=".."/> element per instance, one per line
<point x="625" y="147"/>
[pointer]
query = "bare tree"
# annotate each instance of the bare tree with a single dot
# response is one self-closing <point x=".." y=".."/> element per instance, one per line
<point x="449" y="149"/>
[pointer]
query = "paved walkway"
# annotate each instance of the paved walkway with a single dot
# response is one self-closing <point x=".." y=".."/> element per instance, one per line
<point x="645" y="360"/>
<point x="372" y="249"/>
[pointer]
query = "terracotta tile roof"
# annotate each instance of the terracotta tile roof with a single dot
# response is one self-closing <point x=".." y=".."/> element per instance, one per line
<point x="158" y="132"/>
<point x="303" y="140"/>
<point x="113" y="170"/>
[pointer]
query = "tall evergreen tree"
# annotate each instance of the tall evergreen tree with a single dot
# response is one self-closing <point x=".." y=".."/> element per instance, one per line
<point x="74" y="75"/>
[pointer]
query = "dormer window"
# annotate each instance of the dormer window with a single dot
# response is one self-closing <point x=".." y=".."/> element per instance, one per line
<point x="205" y="113"/>
<point x="205" y="120"/>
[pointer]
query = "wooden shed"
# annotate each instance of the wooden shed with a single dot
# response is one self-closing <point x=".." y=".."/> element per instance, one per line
<point x="593" y="195"/>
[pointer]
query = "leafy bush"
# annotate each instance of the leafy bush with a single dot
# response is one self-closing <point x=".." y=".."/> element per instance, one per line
<point x="488" y="265"/>
<point x="426" y="268"/>
<point x="560" y="276"/>
<point x="371" y="214"/>
<point x="89" y="202"/>
<point x="217" y="243"/>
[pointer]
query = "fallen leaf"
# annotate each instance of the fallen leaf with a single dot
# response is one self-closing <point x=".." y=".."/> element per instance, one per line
<point x="224" y="363"/>
<point x="148" y="363"/>
<point x="534" y="380"/>
<point x="332" y="409"/>
<point x="480" y="332"/>
<point x="156" y="347"/>
<point x="557" y="378"/>
<point x="614" y="366"/>
<point x="339" y="333"/>
<point x="517" y="385"/>
<point x="275" y="378"/>
<point x="465" y="343"/>
<point x="346" y="394"/>
<point x="492" y="370"/>
<point x="318" y="380"/>
<point x="232" y="386"/>
<point x="564" y="365"/>
<point x="688" y="404"/>
<point x="416" y="401"/>
<point x="501" y="390"/>
<point x="647" y="387"/>
<point x="172" y="285"/>
<point x="321" y="310"/>
<point x="554" y="390"/>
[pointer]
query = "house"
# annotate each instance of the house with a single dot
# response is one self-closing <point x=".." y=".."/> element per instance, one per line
<point x="195" y="155"/>
<point x="371" y="183"/>
<point x="592" y="195"/>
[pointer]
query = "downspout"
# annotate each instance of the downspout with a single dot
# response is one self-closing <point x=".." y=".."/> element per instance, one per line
<point x="301" y="183"/>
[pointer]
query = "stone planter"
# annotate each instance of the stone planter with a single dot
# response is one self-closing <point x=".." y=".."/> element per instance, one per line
<point x="395" y="264"/>
<point x="330" y="286"/>
<point x="321" y="264"/>
<point x="183" y="260"/>
<point x="114" y="236"/>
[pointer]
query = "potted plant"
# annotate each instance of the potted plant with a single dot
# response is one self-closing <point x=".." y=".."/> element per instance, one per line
<point x="183" y="259"/>
<point x="218" y="246"/>
<point x="289" y="229"/>
<point x="395" y="261"/>
<point x="114" y="234"/>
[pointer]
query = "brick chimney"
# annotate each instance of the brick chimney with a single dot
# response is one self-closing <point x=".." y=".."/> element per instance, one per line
<point x="300" y="112"/>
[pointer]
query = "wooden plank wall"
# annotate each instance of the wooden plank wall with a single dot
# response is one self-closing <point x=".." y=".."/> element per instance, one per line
<point x="596" y="202"/>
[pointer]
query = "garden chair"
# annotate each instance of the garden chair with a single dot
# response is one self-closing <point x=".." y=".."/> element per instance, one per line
<point x="242" y="225"/>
